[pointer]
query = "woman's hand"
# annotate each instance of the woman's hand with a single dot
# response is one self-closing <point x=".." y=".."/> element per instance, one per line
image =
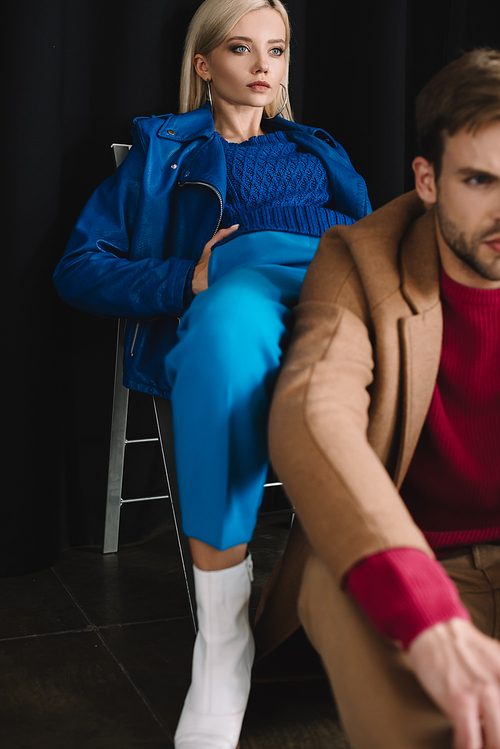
<point x="200" y="276"/>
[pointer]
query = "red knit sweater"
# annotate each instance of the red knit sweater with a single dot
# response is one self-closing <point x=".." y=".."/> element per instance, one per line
<point x="452" y="487"/>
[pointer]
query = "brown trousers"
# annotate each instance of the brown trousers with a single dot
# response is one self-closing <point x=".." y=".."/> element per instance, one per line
<point x="380" y="702"/>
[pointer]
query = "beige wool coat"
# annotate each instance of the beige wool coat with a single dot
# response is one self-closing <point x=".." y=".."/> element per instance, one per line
<point x="352" y="398"/>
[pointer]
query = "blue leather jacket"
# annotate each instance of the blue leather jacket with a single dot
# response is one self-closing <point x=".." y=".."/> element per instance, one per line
<point x="137" y="237"/>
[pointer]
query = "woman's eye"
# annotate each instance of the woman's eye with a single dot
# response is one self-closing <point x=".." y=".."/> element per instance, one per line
<point x="240" y="48"/>
<point x="277" y="51"/>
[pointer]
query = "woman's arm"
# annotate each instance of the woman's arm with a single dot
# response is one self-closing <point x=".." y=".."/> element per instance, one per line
<point x="96" y="275"/>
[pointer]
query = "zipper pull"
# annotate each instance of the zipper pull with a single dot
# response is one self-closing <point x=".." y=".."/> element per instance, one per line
<point x="249" y="562"/>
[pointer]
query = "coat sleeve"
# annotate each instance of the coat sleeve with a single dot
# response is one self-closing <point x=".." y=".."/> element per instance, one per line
<point x="346" y="501"/>
<point x="95" y="273"/>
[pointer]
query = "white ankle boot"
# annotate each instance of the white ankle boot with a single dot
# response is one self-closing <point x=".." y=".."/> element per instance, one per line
<point x="222" y="661"/>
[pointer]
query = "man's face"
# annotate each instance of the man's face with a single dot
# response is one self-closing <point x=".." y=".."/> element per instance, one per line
<point x="467" y="200"/>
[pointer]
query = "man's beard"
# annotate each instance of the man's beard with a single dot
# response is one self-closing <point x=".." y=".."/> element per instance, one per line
<point x="468" y="250"/>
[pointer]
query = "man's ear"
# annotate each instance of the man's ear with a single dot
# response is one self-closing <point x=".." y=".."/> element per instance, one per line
<point x="425" y="180"/>
<point x="201" y="67"/>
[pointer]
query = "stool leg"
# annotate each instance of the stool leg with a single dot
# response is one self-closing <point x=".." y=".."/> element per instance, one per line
<point x="163" y="413"/>
<point x="116" y="451"/>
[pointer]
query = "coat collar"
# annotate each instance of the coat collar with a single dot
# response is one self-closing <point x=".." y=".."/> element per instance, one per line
<point x="420" y="333"/>
<point x="290" y="127"/>
<point x="199" y="123"/>
<point x="375" y="244"/>
<point x="420" y="265"/>
<point x="188" y="126"/>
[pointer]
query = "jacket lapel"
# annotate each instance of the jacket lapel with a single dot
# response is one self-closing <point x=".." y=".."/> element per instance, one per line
<point x="420" y="333"/>
<point x="206" y="164"/>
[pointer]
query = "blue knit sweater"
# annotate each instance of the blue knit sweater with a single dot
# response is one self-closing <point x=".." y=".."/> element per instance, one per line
<point x="272" y="185"/>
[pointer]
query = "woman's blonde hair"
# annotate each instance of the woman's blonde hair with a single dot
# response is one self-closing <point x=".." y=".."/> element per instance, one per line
<point x="209" y="26"/>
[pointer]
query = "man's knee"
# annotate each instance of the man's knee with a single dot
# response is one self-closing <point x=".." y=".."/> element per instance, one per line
<point x="381" y="703"/>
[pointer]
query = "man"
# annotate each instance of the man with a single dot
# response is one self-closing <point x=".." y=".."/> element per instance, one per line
<point x="385" y="430"/>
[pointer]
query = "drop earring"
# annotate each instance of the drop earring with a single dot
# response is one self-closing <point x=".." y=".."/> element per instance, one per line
<point x="209" y="95"/>
<point x="284" y="104"/>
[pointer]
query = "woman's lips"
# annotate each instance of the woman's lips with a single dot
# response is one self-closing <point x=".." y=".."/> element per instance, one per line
<point x="259" y="86"/>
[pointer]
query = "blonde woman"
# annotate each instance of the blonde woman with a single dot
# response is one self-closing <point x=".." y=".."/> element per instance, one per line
<point x="213" y="219"/>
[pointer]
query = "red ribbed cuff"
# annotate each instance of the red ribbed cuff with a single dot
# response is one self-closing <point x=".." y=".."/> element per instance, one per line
<point x="403" y="592"/>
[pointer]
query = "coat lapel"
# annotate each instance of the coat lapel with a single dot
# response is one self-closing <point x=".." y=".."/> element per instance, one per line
<point x="420" y="333"/>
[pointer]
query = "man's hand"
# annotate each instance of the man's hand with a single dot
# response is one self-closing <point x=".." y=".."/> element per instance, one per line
<point x="200" y="276"/>
<point x="459" y="668"/>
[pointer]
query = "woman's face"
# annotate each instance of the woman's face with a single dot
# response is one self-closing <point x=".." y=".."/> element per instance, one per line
<point x="247" y="68"/>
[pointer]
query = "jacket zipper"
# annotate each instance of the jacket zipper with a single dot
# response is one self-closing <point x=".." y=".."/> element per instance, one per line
<point x="221" y="204"/>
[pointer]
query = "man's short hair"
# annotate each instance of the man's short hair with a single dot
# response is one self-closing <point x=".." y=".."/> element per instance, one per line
<point x="465" y="93"/>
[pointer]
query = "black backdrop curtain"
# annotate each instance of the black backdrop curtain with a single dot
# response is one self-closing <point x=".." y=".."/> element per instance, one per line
<point x="74" y="74"/>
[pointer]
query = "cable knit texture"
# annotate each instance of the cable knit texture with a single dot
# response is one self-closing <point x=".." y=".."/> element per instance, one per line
<point x="272" y="185"/>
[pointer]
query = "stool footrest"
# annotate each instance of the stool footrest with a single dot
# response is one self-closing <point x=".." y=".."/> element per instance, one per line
<point x="143" y="439"/>
<point x="144" y="499"/>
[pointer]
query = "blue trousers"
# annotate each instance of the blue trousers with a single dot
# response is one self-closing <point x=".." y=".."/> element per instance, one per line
<point x="222" y="373"/>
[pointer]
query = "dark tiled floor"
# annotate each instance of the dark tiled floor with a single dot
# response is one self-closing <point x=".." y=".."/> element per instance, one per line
<point x="95" y="654"/>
